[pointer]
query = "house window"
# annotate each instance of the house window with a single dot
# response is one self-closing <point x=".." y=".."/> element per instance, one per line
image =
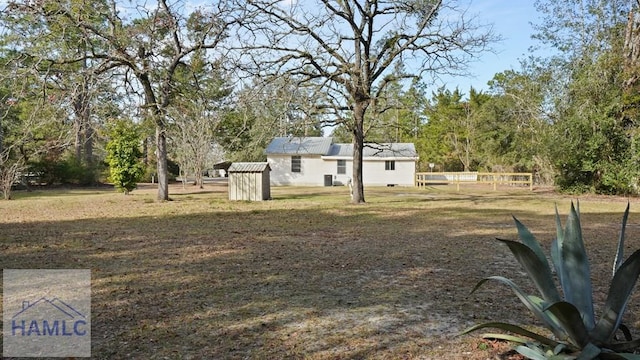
<point x="296" y="164"/>
<point x="342" y="166"/>
<point x="390" y="165"/>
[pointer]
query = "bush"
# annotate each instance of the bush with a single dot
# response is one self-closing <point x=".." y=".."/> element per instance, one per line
<point x="124" y="155"/>
<point x="66" y="171"/>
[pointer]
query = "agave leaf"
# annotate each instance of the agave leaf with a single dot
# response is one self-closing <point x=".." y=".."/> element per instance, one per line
<point x="528" y="239"/>
<point x="624" y="346"/>
<point x="625" y="331"/>
<point x="577" y="287"/>
<point x="589" y="352"/>
<point x="621" y="286"/>
<point x="558" y="349"/>
<point x="559" y="229"/>
<point x="514" y="329"/>
<point x="537" y="270"/>
<point x="533" y="303"/>
<point x="505" y="337"/>
<point x="556" y="259"/>
<point x="571" y="321"/>
<point x="549" y="319"/>
<point x="529" y="353"/>
<point x="534" y="351"/>
<point x="556" y="248"/>
<point x="620" y="252"/>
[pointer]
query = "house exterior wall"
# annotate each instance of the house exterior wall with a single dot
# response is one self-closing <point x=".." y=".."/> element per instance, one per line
<point x="374" y="173"/>
<point x="315" y="167"/>
<point x="312" y="170"/>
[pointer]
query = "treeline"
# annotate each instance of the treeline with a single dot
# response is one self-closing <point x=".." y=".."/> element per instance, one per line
<point x="571" y="118"/>
<point x="176" y="75"/>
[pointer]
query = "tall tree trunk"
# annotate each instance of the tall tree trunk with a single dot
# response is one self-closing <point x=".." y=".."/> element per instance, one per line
<point x="88" y="145"/>
<point x="81" y="112"/>
<point x="161" y="155"/>
<point x="631" y="51"/>
<point x="145" y="151"/>
<point x="1" y="138"/>
<point x="161" y="135"/>
<point x="77" y="144"/>
<point x="631" y="55"/>
<point x="82" y="109"/>
<point x="358" y="148"/>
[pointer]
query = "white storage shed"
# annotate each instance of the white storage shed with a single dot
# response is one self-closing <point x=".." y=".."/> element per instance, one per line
<point x="249" y="181"/>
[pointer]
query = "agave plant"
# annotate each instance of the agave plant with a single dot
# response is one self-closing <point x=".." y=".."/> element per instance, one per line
<point x="577" y="334"/>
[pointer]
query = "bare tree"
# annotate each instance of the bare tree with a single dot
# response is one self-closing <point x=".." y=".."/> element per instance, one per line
<point x="193" y="136"/>
<point x="24" y="123"/>
<point x="347" y="50"/>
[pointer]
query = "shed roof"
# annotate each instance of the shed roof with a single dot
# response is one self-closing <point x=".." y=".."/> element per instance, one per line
<point x="390" y="150"/>
<point x="300" y="145"/>
<point x="224" y="165"/>
<point x="248" y="167"/>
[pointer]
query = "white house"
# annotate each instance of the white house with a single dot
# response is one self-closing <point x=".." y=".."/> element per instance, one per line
<point x="317" y="161"/>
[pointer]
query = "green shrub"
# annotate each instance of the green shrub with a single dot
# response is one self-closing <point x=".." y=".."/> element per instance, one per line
<point x="124" y="155"/>
<point x="64" y="170"/>
<point x="577" y="334"/>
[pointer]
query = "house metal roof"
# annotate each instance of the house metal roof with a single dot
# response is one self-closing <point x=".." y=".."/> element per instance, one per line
<point x="248" y="167"/>
<point x="300" y="146"/>
<point x="391" y="150"/>
<point x="324" y="146"/>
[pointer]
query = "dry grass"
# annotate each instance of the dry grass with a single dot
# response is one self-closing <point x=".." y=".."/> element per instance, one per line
<point x="304" y="276"/>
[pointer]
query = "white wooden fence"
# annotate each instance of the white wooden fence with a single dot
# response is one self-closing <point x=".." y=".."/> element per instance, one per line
<point x="512" y="179"/>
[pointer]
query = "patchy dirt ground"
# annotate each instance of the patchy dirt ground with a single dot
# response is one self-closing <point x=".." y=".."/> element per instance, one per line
<point x="304" y="276"/>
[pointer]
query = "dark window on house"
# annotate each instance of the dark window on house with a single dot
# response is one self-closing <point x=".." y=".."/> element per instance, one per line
<point x="342" y="166"/>
<point x="296" y="164"/>
<point x="390" y="165"/>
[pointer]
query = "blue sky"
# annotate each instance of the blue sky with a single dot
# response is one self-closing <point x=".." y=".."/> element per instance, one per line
<point x="511" y="19"/>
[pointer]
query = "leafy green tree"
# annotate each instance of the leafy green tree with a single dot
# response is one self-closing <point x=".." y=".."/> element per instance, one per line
<point x="446" y="135"/>
<point x="30" y="122"/>
<point x="124" y="155"/>
<point x="35" y="44"/>
<point x="395" y="115"/>
<point x="513" y="129"/>
<point x="595" y="152"/>
<point x="595" y="135"/>
<point x="263" y="111"/>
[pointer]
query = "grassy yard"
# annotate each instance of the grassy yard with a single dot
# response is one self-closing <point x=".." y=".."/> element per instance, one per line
<point x="304" y="276"/>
